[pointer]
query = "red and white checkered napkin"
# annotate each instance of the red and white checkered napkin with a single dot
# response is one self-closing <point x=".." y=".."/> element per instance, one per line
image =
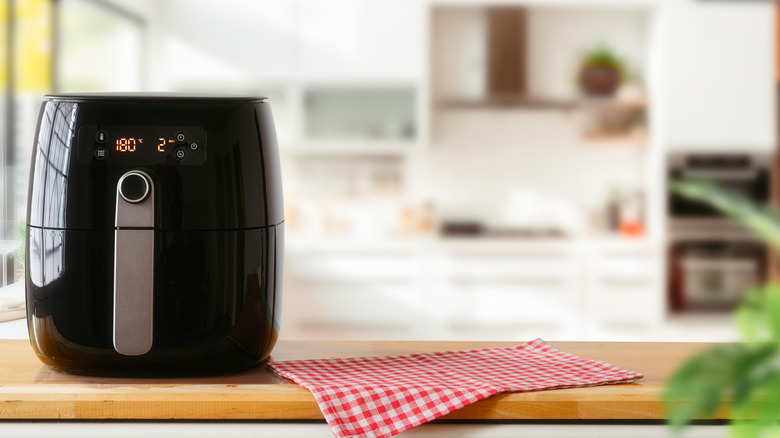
<point x="382" y="396"/>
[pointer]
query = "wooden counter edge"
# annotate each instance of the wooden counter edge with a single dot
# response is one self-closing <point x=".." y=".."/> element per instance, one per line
<point x="65" y="397"/>
<point x="223" y="404"/>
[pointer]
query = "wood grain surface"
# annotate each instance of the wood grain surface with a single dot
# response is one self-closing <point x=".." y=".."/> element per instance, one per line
<point x="30" y="390"/>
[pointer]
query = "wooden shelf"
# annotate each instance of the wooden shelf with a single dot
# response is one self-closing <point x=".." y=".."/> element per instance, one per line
<point x="520" y="102"/>
<point x="638" y="103"/>
<point x="506" y="102"/>
<point x="610" y="140"/>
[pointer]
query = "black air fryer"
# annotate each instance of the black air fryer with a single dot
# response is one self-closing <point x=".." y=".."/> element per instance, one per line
<point x="154" y="234"/>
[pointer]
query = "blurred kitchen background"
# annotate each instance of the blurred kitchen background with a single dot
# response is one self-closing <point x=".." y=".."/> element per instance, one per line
<point x="454" y="169"/>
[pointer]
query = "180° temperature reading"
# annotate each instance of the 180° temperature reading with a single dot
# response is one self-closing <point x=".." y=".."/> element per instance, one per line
<point x="130" y="144"/>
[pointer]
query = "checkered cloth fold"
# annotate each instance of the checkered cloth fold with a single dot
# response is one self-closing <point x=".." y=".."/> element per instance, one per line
<point x="382" y="396"/>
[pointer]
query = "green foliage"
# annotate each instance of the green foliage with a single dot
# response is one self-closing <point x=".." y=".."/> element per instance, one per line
<point x="761" y="220"/>
<point x="720" y="373"/>
<point x="758" y="318"/>
<point x="21" y="232"/>
<point x="743" y="378"/>
<point x="603" y="55"/>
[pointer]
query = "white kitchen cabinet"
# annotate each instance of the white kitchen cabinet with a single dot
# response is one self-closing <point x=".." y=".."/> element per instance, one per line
<point x="364" y="40"/>
<point x="510" y="294"/>
<point x="514" y="311"/>
<point x="291" y="42"/>
<point x="718" y="75"/>
<point x="353" y="294"/>
<point x="361" y="311"/>
<point x="464" y="289"/>
<point x="622" y="293"/>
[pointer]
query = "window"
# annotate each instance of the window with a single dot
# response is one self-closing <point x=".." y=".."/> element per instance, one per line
<point x="60" y="46"/>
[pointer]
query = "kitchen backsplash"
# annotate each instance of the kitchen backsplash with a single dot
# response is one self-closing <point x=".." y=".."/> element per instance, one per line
<point x="503" y="169"/>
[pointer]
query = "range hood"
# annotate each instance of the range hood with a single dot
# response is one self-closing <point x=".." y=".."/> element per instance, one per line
<point x="506" y="53"/>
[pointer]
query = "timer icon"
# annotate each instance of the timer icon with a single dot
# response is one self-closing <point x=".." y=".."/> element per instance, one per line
<point x="180" y="154"/>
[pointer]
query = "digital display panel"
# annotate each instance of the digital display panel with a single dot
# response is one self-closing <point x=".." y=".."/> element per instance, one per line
<point x="148" y="144"/>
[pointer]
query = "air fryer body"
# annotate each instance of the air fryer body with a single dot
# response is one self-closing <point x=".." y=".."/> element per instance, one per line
<point x="154" y="234"/>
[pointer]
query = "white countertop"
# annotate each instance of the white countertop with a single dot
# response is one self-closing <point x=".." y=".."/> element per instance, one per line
<point x="12" y="306"/>
<point x="429" y="242"/>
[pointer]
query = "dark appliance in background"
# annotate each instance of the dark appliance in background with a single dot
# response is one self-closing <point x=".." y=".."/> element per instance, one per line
<point x="154" y="234"/>
<point x="713" y="260"/>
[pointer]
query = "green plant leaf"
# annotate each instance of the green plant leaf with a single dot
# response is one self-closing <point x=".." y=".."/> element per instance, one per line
<point x="758" y="317"/>
<point x="723" y="373"/>
<point x="772" y="304"/>
<point x="696" y="388"/>
<point x="752" y="318"/>
<point x="603" y="55"/>
<point x="761" y="220"/>
<point x="746" y="376"/>
<point x="744" y="429"/>
<point x="758" y="416"/>
<point x="754" y="368"/>
<point x="21" y="233"/>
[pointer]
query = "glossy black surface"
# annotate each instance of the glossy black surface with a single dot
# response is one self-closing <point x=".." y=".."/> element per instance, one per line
<point x="152" y="97"/>
<point x="238" y="186"/>
<point x="218" y="233"/>
<point x="217" y="301"/>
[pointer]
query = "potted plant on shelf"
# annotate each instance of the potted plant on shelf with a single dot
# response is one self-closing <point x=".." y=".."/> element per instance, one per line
<point x="741" y="379"/>
<point x="601" y="72"/>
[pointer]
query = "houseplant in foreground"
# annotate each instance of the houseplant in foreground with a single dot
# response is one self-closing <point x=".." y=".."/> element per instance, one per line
<point x="740" y="379"/>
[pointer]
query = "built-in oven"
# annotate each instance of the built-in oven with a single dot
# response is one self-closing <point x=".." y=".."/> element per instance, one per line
<point x="712" y="260"/>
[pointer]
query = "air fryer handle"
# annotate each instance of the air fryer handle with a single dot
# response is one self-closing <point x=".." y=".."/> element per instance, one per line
<point x="134" y="264"/>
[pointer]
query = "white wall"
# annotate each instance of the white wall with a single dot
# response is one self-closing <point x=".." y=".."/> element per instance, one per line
<point x="459" y="53"/>
<point x="559" y="37"/>
<point x="719" y="75"/>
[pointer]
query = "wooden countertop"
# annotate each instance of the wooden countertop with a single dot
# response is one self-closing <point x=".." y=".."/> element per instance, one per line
<point x="30" y="390"/>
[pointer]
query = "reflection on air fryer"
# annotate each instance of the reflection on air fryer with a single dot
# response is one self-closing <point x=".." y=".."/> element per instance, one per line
<point x="48" y="192"/>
